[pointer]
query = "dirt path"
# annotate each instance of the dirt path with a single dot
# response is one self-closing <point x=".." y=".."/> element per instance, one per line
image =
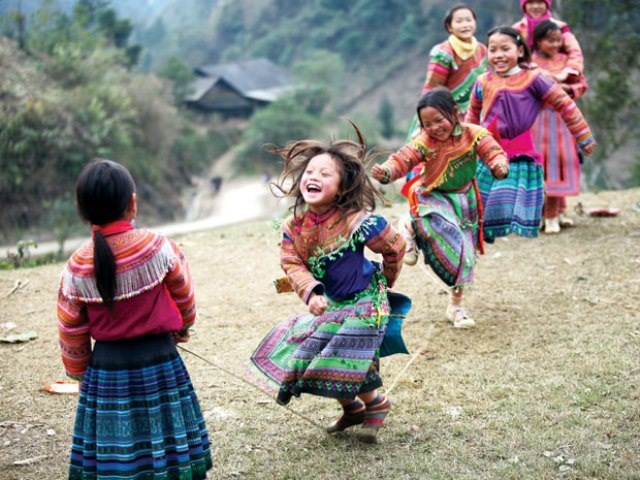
<point x="239" y="200"/>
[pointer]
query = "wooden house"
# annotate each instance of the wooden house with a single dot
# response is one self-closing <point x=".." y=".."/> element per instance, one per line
<point x="237" y="89"/>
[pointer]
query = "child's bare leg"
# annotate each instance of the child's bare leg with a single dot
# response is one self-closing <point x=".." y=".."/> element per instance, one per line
<point x="456" y="313"/>
<point x="377" y="408"/>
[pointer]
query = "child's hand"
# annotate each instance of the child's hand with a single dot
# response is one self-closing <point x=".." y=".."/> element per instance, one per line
<point x="380" y="173"/>
<point x="501" y="170"/>
<point x="317" y="304"/>
<point x="181" y="337"/>
<point x="588" y="149"/>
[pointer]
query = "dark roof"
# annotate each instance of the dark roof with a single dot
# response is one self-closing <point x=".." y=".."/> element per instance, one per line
<point x="260" y="78"/>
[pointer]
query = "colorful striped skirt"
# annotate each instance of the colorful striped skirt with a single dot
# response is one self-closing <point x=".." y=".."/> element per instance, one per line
<point x="138" y="416"/>
<point x="335" y="354"/>
<point x="561" y="163"/>
<point x="513" y="204"/>
<point x="447" y="231"/>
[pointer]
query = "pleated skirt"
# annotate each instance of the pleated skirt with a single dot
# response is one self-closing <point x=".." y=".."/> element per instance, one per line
<point x="447" y="231"/>
<point x="138" y="416"/>
<point x="512" y="204"/>
<point x="335" y="354"/>
<point x="561" y="162"/>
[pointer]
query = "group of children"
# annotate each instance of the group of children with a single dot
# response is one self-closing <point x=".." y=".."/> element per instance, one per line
<point x="475" y="162"/>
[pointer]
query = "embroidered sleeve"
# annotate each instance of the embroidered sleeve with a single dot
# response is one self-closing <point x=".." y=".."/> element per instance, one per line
<point x="73" y="333"/>
<point x="388" y="242"/>
<point x="303" y="282"/>
<point x="561" y="102"/>
<point x="490" y="151"/>
<point x="572" y="48"/>
<point x="475" y="104"/>
<point x="440" y="63"/>
<point x="578" y="85"/>
<point x="402" y="162"/>
<point x="180" y="286"/>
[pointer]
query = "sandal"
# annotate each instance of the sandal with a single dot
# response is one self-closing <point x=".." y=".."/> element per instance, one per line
<point x="459" y="318"/>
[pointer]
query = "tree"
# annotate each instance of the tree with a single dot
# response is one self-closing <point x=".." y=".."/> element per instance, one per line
<point x="181" y="76"/>
<point x="609" y="36"/>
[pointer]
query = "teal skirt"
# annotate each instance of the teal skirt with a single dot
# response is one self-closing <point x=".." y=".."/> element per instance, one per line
<point x="138" y="415"/>
<point x="513" y="204"/>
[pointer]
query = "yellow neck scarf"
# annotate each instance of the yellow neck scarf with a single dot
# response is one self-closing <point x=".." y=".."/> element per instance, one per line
<point x="463" y="49"/>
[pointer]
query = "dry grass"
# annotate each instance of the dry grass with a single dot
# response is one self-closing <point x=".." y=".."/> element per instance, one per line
<point x="546" y="386"/>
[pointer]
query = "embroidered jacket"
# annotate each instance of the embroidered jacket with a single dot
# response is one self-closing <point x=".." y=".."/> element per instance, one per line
<point x="154" y="295"/>
<point x="509" y="105"/>
<point x="325" y="254"/>
<point x="447" y="69"/>
<point x="570" y="45"/>
<point x="576" y="81"/>
<point x="448" y="165"/>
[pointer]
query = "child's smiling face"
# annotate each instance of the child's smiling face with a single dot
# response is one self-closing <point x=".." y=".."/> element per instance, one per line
<point x="320" y="183"/>
<point x="535" y="8"/>
<point x="437" y="125"/>
<point x="463" y="25"/>
<point x="503" y="53"/>
<point x="551" y="43"/>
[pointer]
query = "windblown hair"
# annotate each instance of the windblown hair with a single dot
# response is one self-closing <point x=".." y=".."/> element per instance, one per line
<point x="448" y="18"/>
<point x="525" y="58"/>
<point x="356" y="191"/>
<point x="103" y="193"/>
<point x="441" y="99"/>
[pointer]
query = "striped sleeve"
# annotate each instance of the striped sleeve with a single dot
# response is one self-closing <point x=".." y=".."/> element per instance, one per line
<point x="561" y="102"/>
<point x="490" y="151"/>
<point x="73" y="334"/>
<point x="391" y="245"/>
<point x="440" y="63"/>
<point x="572" y="48"/>
<point x="475" y="103"/>
<point x="402" y="162"/>
<point x="180" y="287"/>
<point x="301" y="278"/>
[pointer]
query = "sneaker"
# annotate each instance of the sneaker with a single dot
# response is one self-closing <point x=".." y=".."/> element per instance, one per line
<point x="411" y="256"/>
<point x="551" y="225"/>
<point x="411" y="253"/>
<point x="565" y="221"/>
<point x="458" y="317"/>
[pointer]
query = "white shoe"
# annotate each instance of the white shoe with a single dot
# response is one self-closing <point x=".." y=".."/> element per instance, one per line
<point x="458" y="317"/>
<point x="565" y="221"/>
<point x="411" y="252"/>
<point x="551" y="225"/>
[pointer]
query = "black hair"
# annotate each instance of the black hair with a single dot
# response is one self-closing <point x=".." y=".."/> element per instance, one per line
<point x="356" y="191"/>
<point x="448" y="18"/>
<point x="442" y="100"/>
<point x="103" y="192"/>
<point x="517" y="39"/>
<point x="542" y="29"/>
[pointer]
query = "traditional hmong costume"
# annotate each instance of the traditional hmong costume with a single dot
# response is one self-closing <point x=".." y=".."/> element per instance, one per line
<point x="453" y="64"/>
<point x="443" y="198"/>
<point x="138" y="415"/>
<point x="552" y="138"/>
<point x="334" y="354"/>
<point x="570" y="45"/>
<point x="508" y="106"/>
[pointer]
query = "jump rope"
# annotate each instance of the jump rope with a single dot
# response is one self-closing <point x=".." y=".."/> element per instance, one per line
<point x="430" y="335"/>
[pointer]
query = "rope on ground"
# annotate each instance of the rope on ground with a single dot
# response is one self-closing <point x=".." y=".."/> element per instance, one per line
<point x="430" y="336"/>
<point x="255" y="387"/>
